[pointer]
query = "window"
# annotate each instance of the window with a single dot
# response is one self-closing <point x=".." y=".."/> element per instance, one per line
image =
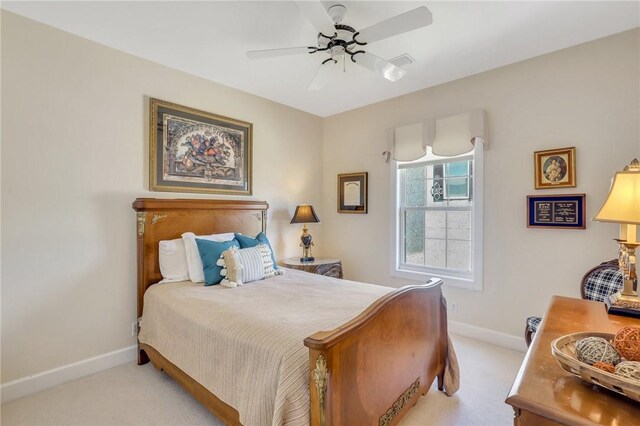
<point x="438" y="219"/>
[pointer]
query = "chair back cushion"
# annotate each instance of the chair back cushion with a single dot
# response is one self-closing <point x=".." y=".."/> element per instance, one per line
<point x="602" y="283"/>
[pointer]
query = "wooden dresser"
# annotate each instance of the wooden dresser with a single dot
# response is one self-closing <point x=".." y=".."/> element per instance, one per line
<point x="544" y="394"/>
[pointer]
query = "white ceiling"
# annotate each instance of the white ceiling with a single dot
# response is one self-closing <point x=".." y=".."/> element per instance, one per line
<point x="209" y="39"/>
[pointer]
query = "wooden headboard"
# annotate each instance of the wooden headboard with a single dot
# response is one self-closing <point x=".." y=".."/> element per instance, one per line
<point x="167" y="219"/>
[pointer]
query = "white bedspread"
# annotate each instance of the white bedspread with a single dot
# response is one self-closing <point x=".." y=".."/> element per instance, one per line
<point x="245" y="344"/>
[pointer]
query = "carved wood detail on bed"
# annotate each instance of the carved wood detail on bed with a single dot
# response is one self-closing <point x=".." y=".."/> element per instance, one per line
<point x="370" y="370"/>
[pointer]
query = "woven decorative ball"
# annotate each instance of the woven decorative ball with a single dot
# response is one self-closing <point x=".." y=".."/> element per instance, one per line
<point x="629" y="370"/>
<point x="627" y="342"/>
<point x="593" y="349"/>
<point x="609" y="368"/>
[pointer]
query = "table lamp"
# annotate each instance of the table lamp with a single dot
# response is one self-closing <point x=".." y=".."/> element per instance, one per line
<point x="623" y="206"/>
<point x="305" y="214"/>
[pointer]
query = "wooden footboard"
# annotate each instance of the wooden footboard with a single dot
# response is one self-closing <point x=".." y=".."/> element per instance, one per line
<point x="374" y="368"/>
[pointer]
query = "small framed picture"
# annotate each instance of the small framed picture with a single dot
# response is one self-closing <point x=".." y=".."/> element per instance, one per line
<point x="555" y="168"/>
<point x="556" y="211"/>
<point x="352" y="193"/>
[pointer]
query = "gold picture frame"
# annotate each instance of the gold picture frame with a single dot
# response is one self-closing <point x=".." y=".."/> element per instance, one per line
<point x="197" y="151"/>
<point x="555" y="168"/>
<point x="352" y="193"/>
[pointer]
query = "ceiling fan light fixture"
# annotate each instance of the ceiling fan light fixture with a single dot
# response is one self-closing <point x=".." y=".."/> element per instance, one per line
<point x="337" y="52"/>
<point x="337" y="13"/>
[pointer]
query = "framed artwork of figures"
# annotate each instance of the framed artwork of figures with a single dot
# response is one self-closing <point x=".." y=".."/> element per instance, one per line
<point x="555" y="168"/>
<point x="197" y="151"/>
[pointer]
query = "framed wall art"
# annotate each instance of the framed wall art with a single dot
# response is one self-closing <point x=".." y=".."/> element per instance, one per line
<point x="556" y="211"/>
<point x="197" y="151"/>
<point x="555" y="168"/>
<point x="352" y="193"/>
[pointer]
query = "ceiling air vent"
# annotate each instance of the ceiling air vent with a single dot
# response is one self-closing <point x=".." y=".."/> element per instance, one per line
<point x="402" y="60"/>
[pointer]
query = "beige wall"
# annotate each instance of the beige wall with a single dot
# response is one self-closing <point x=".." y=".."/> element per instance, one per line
<point x="75" y="148"/>
<point x="587" y="96"/>
<point x="75" y="144"/>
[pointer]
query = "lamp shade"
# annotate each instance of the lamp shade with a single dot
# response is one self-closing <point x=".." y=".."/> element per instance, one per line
<point x="623" y="202"/>
<point x="305" y="214"/>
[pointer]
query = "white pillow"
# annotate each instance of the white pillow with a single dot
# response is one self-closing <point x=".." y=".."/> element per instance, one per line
<point x="240" y="266"/>
<point x="173" y="261"/>
<point x="194" y="263"/>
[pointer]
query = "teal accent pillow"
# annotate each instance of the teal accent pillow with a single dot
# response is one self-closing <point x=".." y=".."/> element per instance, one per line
<point x="261" y="238"/>
<point x="210" y="252"/>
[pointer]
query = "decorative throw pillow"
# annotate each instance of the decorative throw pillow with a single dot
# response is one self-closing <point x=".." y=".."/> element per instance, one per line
<point x="210" y="252"/>
<point x="194" y="262"/>
<point x="261" y="238"/>
<point x="240" y="266"/>
<point x="173" y="261"/>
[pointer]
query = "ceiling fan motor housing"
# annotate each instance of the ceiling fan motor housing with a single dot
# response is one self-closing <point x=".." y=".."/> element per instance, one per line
<point x="342" y="42"/>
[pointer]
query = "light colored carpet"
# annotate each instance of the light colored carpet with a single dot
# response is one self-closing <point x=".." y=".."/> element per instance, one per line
<point x="133" y="395"/>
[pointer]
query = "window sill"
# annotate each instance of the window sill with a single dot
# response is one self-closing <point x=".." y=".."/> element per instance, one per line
<point x="449" y="281"/>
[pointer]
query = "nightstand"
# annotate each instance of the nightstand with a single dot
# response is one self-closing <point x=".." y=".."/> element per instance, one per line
<point x="327" y="266"/>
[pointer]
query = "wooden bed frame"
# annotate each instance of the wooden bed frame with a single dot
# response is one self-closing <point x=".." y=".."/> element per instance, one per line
<point x="371" y="370"/>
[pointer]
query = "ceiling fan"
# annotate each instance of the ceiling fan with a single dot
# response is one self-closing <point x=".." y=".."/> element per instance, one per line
<point x="342" y="42"/>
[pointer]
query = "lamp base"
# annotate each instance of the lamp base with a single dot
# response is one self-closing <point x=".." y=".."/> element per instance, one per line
<point x="307" y="259"/>
<point x="629" y="298"/>
<point x="628" y="306"/>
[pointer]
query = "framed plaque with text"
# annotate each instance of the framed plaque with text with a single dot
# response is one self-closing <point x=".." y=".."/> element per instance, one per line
<point x="556" y="211"/>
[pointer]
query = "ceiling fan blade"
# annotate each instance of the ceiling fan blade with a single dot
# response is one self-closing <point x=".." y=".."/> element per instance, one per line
<point x="317" y="15"/>
<point x="379" y="66"/>
<point x="321" y="77"/>
<point x="272" y="53"/>
<point x="408" y="21"/>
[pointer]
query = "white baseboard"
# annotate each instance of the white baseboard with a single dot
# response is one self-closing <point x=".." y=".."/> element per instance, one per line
<point x="47" y="379"/>
<point x="490" y="336"/>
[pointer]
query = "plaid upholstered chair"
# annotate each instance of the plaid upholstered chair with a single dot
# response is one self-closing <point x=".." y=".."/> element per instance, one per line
<point x="597" y="284"/>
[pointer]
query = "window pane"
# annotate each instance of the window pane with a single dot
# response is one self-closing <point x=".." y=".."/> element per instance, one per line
<point x="435" y="253"/>
<point x="415" y="187"/>
<point x="414" y="237"/>
<point x="435" y="238"/>
<point x="414" y="173"/>
<point x="435" y="224"/>
<point x="457" y="188"/>
<point x="459" y="255"/>
<point x="459" y="240"/>
<point x="458" y="169"/>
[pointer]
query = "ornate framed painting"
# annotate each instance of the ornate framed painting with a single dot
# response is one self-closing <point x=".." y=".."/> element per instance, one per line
<point x="197" y="151"/>
<point x="555" y="168"/>
<point x="352" y="193"/>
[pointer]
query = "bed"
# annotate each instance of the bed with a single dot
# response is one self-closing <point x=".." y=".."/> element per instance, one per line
<point x="369" y="369"/>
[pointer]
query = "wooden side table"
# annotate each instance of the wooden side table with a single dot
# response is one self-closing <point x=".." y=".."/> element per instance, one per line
<point x="327" y="266"/>
<point x="544" y="394"/>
